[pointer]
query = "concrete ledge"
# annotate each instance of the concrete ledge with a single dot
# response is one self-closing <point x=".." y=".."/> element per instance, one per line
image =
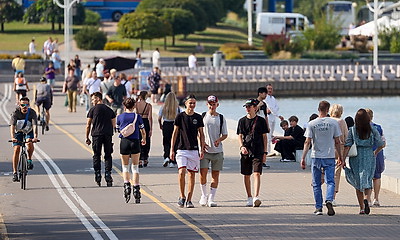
<point x="391" y="176"/>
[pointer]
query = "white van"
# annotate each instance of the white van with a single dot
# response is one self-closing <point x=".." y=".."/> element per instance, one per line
<point x="272" y="23"/>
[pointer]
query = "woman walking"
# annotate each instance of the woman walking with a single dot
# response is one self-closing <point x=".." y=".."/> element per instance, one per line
<point x="362" y="166"/>
<point x="145" y="110"/>
<point x="166" y="118"/>
<point x="130" y="147"/>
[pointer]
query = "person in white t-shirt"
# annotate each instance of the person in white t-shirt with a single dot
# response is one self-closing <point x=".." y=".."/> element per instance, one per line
<point x="100" y="68"/>
<point x="214" y="135"/>
<point x="273" y="114"/>
<point x="156" y="58"/>
<point x="192" y="61"/>
<point x="32" y="47"/>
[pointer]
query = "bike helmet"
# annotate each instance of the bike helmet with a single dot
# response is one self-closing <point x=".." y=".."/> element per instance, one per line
<point x="43" y="79"/>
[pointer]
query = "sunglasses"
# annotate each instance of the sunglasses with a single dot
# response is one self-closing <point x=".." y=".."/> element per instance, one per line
<point x="24" y="104"/>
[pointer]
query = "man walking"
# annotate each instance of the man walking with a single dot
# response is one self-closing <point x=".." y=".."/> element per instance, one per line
<point x="103" y="120"/>
<point x="272" y="112"/>
<point x="116" y="94"/>
<point x="262" y="110"/>
<point x="324" y="133"/>
<point x="252" y="131"/>
<point x="188" y="128"/>
<point x="215" y="131"/>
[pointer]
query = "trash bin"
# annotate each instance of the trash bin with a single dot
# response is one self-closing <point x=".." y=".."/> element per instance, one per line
<point x="217" y="58"/>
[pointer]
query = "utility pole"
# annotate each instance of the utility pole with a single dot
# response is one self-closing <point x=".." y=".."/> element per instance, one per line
<point x="67" y="6"/>
<point x="250" y="22"/>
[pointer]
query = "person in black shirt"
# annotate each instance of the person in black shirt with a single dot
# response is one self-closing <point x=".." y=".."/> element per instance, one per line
<point x="292" y="140"/>
<point x="187" y="130"/>
<point x="103" y="120"/>
<point x="252" y="131"/>
<point x="116" y="94"/>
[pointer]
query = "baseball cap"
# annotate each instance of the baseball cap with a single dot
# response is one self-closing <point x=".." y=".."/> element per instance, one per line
<point x="212" y="99"/>
<point x="43" y="79"/>
<point x="251" y="102"/>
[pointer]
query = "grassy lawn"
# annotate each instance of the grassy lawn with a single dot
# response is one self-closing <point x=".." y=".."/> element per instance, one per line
<point x="18" y="35"/>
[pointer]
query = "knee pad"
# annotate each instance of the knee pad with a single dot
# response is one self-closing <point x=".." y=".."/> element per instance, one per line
<point x="135" y="169"/>
<point x="125" y="168"/>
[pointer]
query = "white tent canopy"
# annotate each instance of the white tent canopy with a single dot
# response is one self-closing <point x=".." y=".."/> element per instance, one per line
<point x="368" y="28"/>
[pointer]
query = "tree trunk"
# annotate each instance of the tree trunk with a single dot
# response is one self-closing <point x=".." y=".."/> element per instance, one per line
<point x="52" y="27"/>
<point x="173" y="40"/>
<point x="59" y="26"/>
<point x="151" y="44"/>
<point x="141" y="44"/>
<point x="165" y="43"/>
<point x="2" y="27"/>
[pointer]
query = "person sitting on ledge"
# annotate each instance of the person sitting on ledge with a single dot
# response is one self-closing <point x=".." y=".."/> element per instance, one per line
<point x="292" y="140"/>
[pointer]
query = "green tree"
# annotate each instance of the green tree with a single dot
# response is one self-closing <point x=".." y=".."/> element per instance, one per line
<point x="45" y="11"/>
<point x="324" y="36"/>
<point x="181" y="21"/>
<point x="214" y="10"/>
<point x="234" y="6"/>
<point x="79" y="17"/>
<point x="9" y="11"/>
<point x="90" y="38"/>
<point x="142" y="25"/>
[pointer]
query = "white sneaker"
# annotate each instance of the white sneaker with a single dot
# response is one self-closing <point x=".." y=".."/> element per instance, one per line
<point x="171" y="165"/>
<point x="203" y="200"/>
<point x="334" y="202"/>
<point x="249" y="202"/>
<point x="166" y="161"/>
<point x="211" y="203"/>
<point x="256" y="202"/>
<point x="376" y="203"/>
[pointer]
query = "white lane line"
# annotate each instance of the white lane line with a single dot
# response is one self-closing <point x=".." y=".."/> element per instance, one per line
<point x="92" y="230"/>
<point x="80" y="201"/>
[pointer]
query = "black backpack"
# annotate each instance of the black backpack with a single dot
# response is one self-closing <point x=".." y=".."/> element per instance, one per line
<point x="221" y="120"/>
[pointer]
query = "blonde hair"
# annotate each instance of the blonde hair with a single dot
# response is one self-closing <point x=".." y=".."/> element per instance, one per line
<point x="170" y="106"/>
<point x="336" y="110"/>
<point x="370" y="113"/>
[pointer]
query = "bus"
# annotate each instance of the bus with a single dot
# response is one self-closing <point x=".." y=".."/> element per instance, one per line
<point x="272" y="23"/>
<point x="343" y="13"/>
<point x="109" y="10"/>
<point x="364" y="15"/>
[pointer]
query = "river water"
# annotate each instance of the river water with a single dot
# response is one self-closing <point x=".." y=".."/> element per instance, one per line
<point x="386" y="113"/>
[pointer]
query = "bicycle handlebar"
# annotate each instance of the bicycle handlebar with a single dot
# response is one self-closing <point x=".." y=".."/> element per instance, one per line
<point x="23" y="141"/>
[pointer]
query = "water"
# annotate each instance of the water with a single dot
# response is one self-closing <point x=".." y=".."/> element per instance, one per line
<point x="386" y="113"/>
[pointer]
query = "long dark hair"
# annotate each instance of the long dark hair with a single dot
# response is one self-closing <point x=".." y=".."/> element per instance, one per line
<point x="363" y="126"/>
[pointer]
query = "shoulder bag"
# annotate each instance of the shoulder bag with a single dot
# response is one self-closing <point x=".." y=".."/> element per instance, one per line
<point x="129" y="129"/>
<point x="353" y="148"/>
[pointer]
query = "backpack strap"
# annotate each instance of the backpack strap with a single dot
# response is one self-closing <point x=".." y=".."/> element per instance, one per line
<point x="221" y="120"/>
<point x="26" y="118"/>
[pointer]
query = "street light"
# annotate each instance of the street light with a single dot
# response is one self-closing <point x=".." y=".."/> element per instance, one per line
<point x="67" y="30"/>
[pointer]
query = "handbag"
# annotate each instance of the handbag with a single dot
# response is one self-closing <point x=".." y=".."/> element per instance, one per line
<point x="129" y="129"/>
<point x="353" y="148"/>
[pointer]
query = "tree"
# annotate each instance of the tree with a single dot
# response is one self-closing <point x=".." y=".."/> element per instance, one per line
<point x="325" y="35"/>
<point x="181" y="21"/>
<point x="9" y="11"/>
<point x="214" y="10"/>
<point x="234" y="5"/>
<point x="90" y="38"/>
<point x="142" y="25"/>
<point x="45" y="11"/>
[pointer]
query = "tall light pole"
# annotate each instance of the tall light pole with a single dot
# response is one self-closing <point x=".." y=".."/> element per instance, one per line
<point x="250" y="22"/>
<point x="67" y="29"/>
<point x="375" y="10"/>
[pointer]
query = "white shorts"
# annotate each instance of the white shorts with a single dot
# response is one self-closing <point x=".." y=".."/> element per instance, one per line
<point x="188" y="159"/>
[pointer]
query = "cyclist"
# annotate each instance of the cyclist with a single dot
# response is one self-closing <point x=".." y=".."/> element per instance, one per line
<point x="44" y="95"/>
<point x="23" y="120"/>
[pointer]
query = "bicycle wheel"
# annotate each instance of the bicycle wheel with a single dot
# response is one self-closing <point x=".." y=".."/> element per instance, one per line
<point x="23" y="170"/>
<point x="43" y="123"/>
<point x="43" y="120"/>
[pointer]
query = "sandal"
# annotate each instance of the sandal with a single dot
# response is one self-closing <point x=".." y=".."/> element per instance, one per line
<point x="362" y="212"/>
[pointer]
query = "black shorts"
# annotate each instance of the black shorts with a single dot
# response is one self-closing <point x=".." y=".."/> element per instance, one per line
<point x="22" y="92"/>
<point x="248" y="165"/>
<point x="129" y="146"/>
<point x="45" y="101"/>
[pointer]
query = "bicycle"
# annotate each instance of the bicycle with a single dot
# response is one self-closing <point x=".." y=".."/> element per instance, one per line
<point x="42" y="119"/>
<point x="22" y="167"/>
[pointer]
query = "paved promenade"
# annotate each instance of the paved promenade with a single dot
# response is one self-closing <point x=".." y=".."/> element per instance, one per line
<point x="287" y="205"/>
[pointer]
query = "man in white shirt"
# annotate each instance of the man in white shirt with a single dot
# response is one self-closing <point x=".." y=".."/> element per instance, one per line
<point x="48" y="48"/>
<point x="272" y="111"/>
<point x="156" y="58"/>
<point x="32" y="47"/>
<point x="192" y="61"/>
<point x="100" y="68"/>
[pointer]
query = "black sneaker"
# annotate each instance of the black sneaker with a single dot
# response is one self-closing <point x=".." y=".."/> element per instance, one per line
<point x="266" y="166"/>
<point x="367" y="209"/>
<point x="181" y="202"/>
<point x="97" y="178"/>
<point x="189" y="204"/>
<point x="15" y="177"/>
<point x="47" y="128"/>
<point x="318" y="211"/>
<point x="108" y="178"/>
<point x="29" y="166"/>
<point x="329" y="206"/>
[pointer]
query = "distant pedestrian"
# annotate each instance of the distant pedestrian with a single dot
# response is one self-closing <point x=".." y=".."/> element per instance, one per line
<point x="215" y="131"/>
<point x="100" y="67"/>
<point x="20" y="86"/>
<point x="48" y="48"/>
<point x="156" y="58"/>
<point x="18" y="65"/>
<point x="166" y="118"/>
<point x="78" y="66"/>
<point x="188" y="131"/>
<point x="126" y="83"/>
<point x="154" y="81"/>
<point x="50" y="72"/>
<point x="252" y="131"/>
<point x="380" y="161"/>
<point x="130" y="148"/>
<point x="71" y="87"/>
<point x="324" y="132"/>
<point x="262" y="110"/>
<point x="100" y="124"/>
<point x="55" y="57"/>
<point x="116" y="95"/>
<point x="146" y="112"/>
<point x="32" y="47"/>
<point x="362" y="166"/>
<point x="273" y="114"/>
<point x="138" y="63"/>
<point x="192" y="60"/>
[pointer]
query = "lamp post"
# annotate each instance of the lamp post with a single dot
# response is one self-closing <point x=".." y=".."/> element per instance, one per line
<point x="376" y="12"/>
<point x="250" y="22"/>
<point x="67" y="29"/>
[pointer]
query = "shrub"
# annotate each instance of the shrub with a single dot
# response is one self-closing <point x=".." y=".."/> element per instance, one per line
<point x="90" y="38"/>
<point x="395" y="45"/>
<point x="92" y="18"/>
<point x="328" y="55"/>
<point x="9" y="56"/>
<point x="231" y="51"/>
<point x="233" y="55"/>
<point x="275" y="43"/>
<point x="118" y="46"/>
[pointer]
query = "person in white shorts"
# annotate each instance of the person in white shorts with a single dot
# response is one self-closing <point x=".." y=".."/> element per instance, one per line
<point x="215" y="132"/>
<point x="188" y="127"/>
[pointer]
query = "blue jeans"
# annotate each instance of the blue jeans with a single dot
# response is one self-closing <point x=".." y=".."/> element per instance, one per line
<point x="328" y="166"/>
